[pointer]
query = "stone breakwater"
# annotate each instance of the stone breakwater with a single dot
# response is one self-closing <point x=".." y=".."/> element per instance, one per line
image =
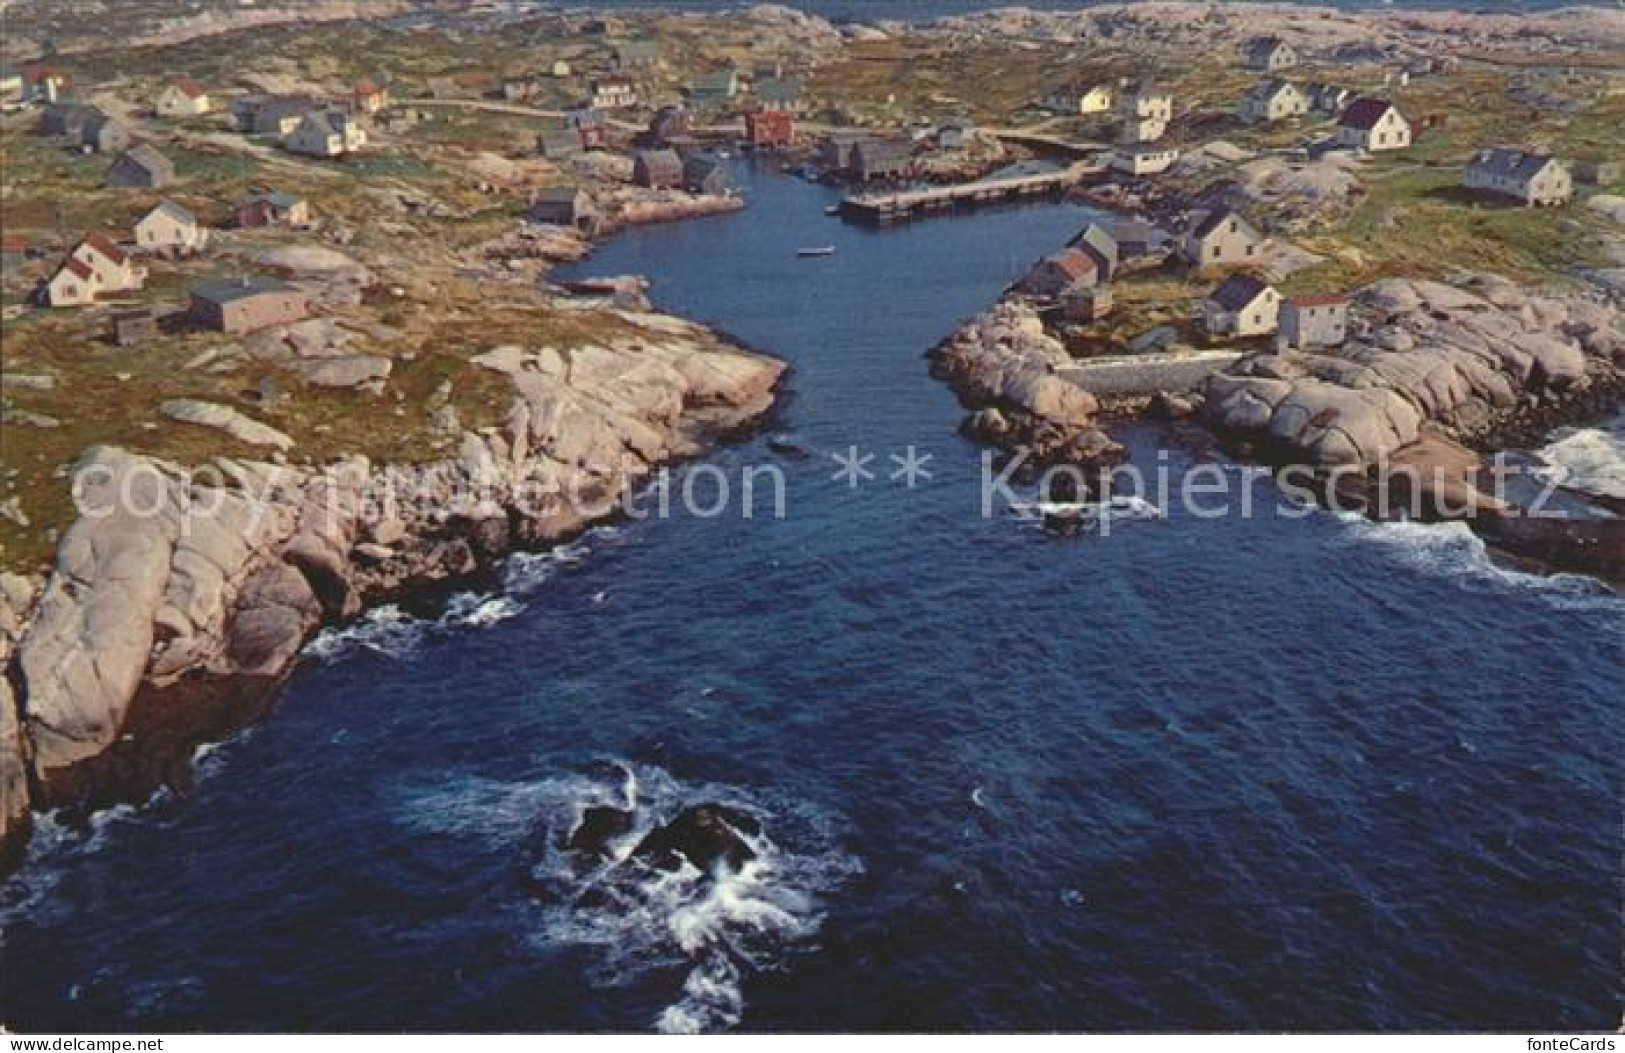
<point x="182" y="595"/>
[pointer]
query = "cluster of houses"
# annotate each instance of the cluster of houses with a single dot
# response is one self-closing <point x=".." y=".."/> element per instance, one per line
<point x="98" y="269"/>
<point x="1375" y="125"/>
<point x="311" y="127"/>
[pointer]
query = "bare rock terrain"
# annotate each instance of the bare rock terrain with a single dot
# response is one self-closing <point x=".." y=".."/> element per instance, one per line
<point x="178" y="585"/>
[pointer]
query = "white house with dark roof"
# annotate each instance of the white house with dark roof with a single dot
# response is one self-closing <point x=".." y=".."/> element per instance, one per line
<point x="1534" y="179"/>
<point x="1243" y="305"/>
<point x="1269" y="54"/>
<point x="1274" y="100"/>
<point x="327" y="133"/>
<point x="1373" y="125"/>
<point x="1222" y="238"/>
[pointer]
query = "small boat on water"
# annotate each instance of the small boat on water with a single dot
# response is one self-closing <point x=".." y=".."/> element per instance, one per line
<point x="832" y="210"/>
<point x="816" y="251"/>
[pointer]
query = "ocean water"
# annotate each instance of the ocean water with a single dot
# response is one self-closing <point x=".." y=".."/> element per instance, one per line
<point x="1241" y="772"/>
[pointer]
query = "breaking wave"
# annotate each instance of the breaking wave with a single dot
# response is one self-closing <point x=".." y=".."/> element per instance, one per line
<point x="390" y="631"/>
<point x="1453" y="550"/>
<point x="1589" y="459"/>
<point x="644" y="922"/>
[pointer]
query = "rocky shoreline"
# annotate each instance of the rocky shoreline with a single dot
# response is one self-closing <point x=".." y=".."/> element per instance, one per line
<point x="1404" y="419"/>
<point x="183" y="595"/>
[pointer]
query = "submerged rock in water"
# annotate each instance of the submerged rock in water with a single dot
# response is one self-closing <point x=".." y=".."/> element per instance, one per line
<point x="599" y="826"/>
<point x="703" y="835"/>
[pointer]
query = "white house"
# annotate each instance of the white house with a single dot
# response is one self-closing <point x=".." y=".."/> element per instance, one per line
<point x="1143" y="158"/>
<point x="182" y="97"/>
<point x="170" y="230"/>
<point x="329" y="133"/>
<point x="1373" y="125"/>
<point x="115" y="270"/>
<point x="1274" y="100"/>
<point x="1242" y="306"/>
<point x="1146" y="101"/>
<point x="613" y="93"/>
<point x="1268" y="54"/>
<point x="1534" y="179"/>
<point x="73" y="285"/>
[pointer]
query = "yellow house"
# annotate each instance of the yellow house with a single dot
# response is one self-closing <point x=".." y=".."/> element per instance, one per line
<point x="1097" y="99"/>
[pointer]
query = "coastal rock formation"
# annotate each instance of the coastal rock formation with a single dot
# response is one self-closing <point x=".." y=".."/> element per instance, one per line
<point x="1004" y="364"/>
<point x="175" y="579"/>
<point x="1423" y="351"/>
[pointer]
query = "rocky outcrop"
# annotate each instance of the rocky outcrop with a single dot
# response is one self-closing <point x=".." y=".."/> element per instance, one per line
<point x="1459" y="357"/>
<point x="1004" y="365"/>
<point x="179" y="583"/>
<point x="239" y="426"/>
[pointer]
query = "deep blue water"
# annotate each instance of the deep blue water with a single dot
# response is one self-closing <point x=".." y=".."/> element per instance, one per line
<point x="1233" y="773"/>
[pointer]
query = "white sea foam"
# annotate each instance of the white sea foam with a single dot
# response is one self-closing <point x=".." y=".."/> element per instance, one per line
<point x="641" y="920"/>
<point x="1590" y="459"/>
<point x="385" y="630"/>
<point x="1453" y="550"/>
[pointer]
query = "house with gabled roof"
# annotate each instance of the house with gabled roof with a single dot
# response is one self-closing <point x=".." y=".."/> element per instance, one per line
<point x="593" y="127"/>
<point x="713" y="90"/>
<point x="1242" y="305"/>
<point x="705" y="174"/>
<point x="141" y="166"/>
<point x="1098" y="243"/>
<point x="779" y="94"/>
<point x="1532" y="178"/>
<point x="1274" y="100"/>
<point x="103" y="135"/>
<point x="1328" y="98"/>
<point x="876" y="158"/>
<point x="769" y="129"/>
<point x="44" y="83"/>
<point x="73" y="284"/>
<point x="170" y="230"/>
<point x="566" y="206"/>
<point x="1269" y="54"/>
<point x="67" y="118"/>
<point x="1058" y="272"/>
<point x="1145" y="100"/>
<point x="95" y="267"/>
<point x="1313" y="321"/>
<point x="327" y="133"/>
<point x="1222" y="238"/>
<point x="671" y="125"/>
<point x="182" y="97"/>
<point x="1140" y="159"/>
<point x="657" y="169"/>
<point x="244" y="305"/>
<point x="369" y="96"/>
<point x="1373" y="125"/>
<point x="1081" y="101"/>
<point x="275" y="209"/>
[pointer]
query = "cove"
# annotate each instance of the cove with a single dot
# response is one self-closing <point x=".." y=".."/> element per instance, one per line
<point x="1235" y="773"/>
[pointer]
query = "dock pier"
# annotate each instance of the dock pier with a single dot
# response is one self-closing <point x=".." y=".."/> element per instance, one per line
<point x="887" y="208"/>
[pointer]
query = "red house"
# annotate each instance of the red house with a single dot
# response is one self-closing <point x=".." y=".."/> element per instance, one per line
<point x="768" y="129"/>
